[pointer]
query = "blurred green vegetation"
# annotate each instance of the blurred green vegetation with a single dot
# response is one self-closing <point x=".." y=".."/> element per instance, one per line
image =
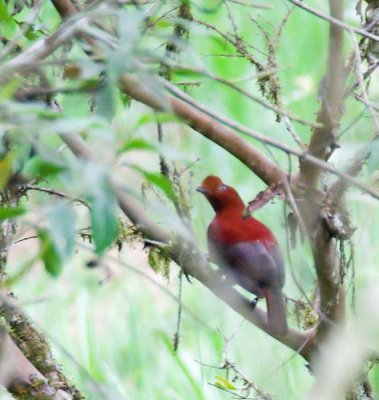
<point x="112" y="329"/>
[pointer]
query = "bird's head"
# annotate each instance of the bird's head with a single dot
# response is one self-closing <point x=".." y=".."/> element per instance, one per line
<point x="221" y="197"/>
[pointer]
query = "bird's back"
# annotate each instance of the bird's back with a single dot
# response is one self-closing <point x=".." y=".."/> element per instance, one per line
<point x="248" y="249"/>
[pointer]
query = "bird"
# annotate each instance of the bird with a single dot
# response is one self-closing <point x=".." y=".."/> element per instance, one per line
<point x="246" y="250"/>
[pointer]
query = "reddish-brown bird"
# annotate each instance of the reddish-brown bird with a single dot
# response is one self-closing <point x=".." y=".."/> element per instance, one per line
<point x="246" y="249"/>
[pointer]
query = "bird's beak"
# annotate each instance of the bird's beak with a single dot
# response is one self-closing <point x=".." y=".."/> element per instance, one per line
<point x="200" y="189"/>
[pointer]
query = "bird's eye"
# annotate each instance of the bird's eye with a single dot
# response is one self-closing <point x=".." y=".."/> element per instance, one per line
<point x="222" y="188"/>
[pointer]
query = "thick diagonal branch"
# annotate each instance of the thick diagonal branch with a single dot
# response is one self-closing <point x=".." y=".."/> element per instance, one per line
<point x="264" y="168"/>
<point x="187" y="256"/>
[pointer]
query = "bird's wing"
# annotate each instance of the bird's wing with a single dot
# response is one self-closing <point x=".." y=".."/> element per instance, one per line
<point x="255" y="263"/>
<point x="277" y="256"/>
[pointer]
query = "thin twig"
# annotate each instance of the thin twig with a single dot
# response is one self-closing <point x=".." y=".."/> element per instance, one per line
<point x="54" y="193"/>
<point x="358" y="68"/>
<point x="333" y="20"/>
<point x="303" y="155"/>
<point x="252" y="5"/>
<point x="176" y="339"/>
<point x="370" y="70"/>
<point x="257" y="99"/>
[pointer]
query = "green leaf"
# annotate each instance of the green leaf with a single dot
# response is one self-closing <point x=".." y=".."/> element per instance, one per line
<point x="163" y="23"/>
<point x="62" y="229"/>
<point x="9" y="89"/>
<point x="137" y="144"/>
<point x="4" y="14"/>
<point x="224" y="383"/>
<point x="8" y="28"/>
<point x="129" y="28"/>
<point x="49" y="254"/>
<point x="38" y="167"/>
<point x="68" y="125"/>
<point x="57" y="242"/>
<point x="6" y="169"/>
<point x="157" y="180"/>
<point x="11" y="212"/>
<point x="106" y="105"/>
<point x="373" y="159"/>
<point x="103" y="202"/>
<point x="160" y="181"/>
<point x="31" y="33"/>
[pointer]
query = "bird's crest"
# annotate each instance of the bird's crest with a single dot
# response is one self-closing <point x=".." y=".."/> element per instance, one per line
<point x="211" y="183"/>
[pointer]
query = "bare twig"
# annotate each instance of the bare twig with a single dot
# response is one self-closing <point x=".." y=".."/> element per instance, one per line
<point x="248" y="4"/>
<point x="277" y="110"/>
<point x="226" y="137"/>
<point x="264" y="197"/>
<point x="360" y="76"/>
<point x="370" y="70"/>
<point x="54" y="193"/>
<point x="206" y="125"/>
<point x="335" y="21"/>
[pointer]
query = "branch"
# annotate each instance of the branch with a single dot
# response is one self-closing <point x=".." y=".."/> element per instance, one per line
<point x="65" y="8"/>
<point x="218" y="129"/>
<point x="129" y="205"/>
<point x="370" y="70"/>
<point x="237" y="146"/>
<point x="33" y="346"/>
<point x="226" y="138"/>
<point x="42" y="48"/>
<point x="17" y="373"/>
<point x="329" y="113"/>
<point x="338" y="189"/>
<point x="193" y="262"/>
<point x="276" y="109"/>
<point x="361" y="79"/>
<point x="210" y="125"/>
<point x="335" y="20"/>
<point x="25" y="188"/>
<point x="203" y="121"/>
<point x="322" y="144"/>
<point x="264" y="196"/>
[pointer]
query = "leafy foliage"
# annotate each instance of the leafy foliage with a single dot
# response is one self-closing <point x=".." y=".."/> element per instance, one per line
<point x="50" y="254"/>
<point x="13" y="212"/>
<point x="103" y="204"/>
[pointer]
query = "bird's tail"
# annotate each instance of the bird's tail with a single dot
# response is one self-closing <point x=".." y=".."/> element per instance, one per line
<point x="276" y="311"/>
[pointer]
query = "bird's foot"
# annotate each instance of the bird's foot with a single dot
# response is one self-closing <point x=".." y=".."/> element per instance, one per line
<point x="254" y="303"/>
